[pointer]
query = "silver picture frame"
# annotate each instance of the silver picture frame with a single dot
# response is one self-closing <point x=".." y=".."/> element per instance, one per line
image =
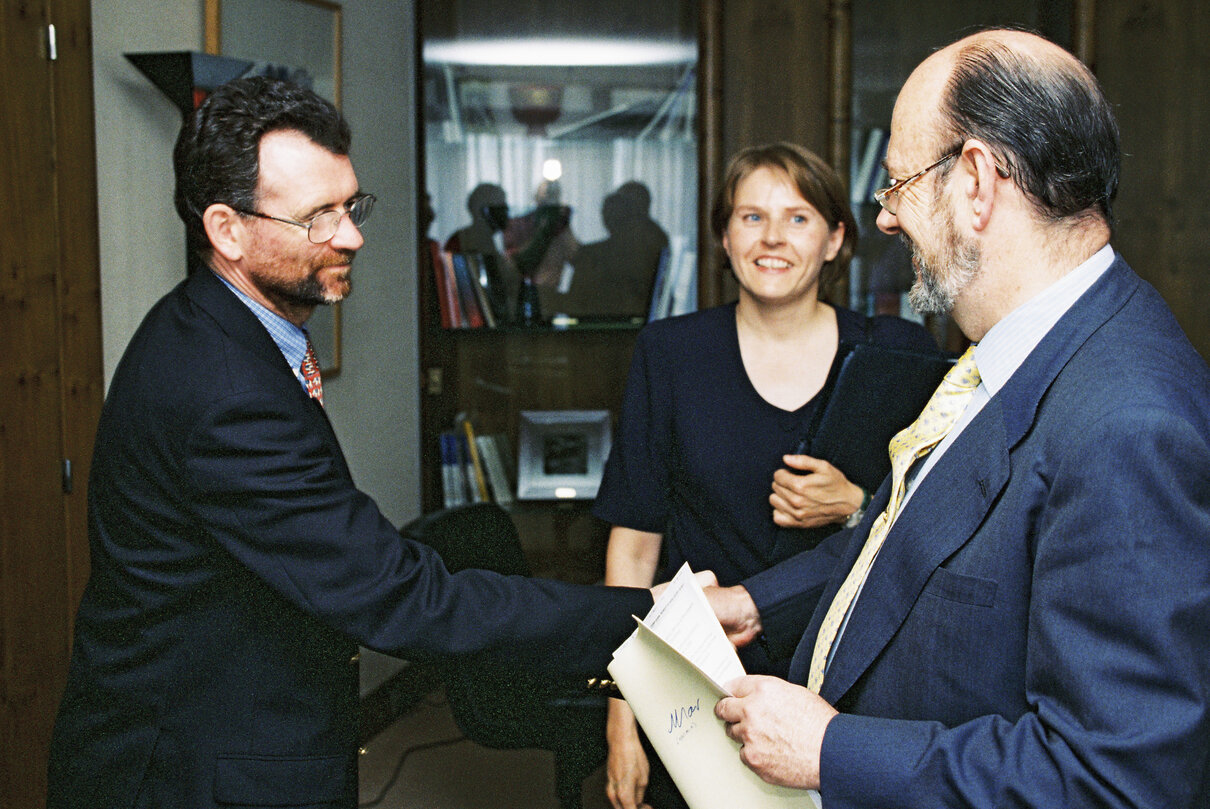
<point x="561" y="453"/>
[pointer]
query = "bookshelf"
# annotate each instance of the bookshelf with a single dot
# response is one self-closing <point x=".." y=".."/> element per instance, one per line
<point x="486" y="377"/>
<point x="611" y="147"/>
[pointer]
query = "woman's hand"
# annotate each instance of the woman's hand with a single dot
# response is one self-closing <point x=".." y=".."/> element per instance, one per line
<point x="627" y="768"/>
<point x="821" y="496"/>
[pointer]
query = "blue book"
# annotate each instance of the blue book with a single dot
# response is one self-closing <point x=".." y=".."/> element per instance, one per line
<point x="453" y="478"/>
<point x="466" y="291"/>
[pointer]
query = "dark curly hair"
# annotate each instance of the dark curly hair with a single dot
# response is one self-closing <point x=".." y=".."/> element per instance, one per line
<point x="216" y="158"/>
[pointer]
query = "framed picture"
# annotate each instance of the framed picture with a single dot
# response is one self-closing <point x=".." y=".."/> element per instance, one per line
<point x="561" y="453"/>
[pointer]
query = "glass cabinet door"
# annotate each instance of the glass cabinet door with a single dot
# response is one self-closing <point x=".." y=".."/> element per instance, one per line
<point x="560" y="157"/>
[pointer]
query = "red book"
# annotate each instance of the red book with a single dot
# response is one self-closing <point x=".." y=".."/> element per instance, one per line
<point x="448" y="305"/>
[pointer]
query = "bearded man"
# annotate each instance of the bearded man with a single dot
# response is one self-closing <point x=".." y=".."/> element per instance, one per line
<point x="1023" y="616"/>
<point x="235" y="566"/>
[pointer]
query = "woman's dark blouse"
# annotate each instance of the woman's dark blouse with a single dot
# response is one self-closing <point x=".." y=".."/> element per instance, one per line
<point x="697" y="446"/>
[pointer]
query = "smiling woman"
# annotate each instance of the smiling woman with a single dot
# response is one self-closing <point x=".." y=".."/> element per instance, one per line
<point x="720" y="404"/>
<point x="777" y="242"/>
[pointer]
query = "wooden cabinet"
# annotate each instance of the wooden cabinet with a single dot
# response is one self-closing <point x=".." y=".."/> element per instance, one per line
<point x="527" y="109"/>
<point x="491" y="375"/>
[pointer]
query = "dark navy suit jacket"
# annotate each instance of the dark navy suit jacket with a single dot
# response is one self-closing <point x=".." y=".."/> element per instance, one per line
<point x="235" y="570"/>
<point x="1036" y="629"/>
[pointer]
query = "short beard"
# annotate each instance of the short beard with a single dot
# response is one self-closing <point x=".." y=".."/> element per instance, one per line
<point x="935" y="291"/>
<point x="309" y="291"/>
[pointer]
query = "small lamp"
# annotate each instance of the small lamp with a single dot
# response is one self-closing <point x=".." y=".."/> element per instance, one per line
<point x="186" y="77"/>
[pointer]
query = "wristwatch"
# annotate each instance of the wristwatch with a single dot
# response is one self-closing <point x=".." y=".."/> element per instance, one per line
<point x="855" y="518"/>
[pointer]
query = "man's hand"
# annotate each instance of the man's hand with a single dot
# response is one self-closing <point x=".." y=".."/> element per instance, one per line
<point x="779" y="726"/>
<point x="736" y="611"/>
<point x="821" y="496"/>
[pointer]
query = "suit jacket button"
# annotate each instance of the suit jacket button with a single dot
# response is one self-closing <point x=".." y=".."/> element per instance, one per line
<point x="353" y="660"/>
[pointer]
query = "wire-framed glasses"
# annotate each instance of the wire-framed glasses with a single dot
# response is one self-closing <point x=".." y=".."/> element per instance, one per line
<point x="888" y="197"/>
<point x="323" y="226"/>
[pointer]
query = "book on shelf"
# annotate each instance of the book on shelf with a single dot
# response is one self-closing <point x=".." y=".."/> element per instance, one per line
<point x="467" y="297"/>
<point x="475" y="474"/>
<point x="508" y="457"/>
<point x="453" y="476"/>
<point x="465" y="466"/>
<point x="494" y="465"/>
<point x="447" y="301"/>
<point x="868" y="172"/>
<point x="684" y="284"/>
<point x="477" y="271"/>
<point x="453" y="301"/>
<point x="674" y="291"/>
<point x="489" y="288"/>
<point x="672" y="671"/>
<point x="661" y="290"/>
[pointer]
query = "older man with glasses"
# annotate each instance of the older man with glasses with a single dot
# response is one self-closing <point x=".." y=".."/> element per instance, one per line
<point x="1022" y="618"/>
<point x="235" y="566"/>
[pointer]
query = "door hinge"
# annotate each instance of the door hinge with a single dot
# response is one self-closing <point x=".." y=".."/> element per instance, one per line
<point x="52" y="43"/>
<point x="67" y="476"/>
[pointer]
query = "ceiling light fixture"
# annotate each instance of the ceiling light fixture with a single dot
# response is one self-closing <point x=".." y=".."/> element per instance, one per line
<point x="552" y="52"/>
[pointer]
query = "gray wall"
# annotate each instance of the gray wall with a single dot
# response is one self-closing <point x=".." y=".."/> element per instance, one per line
<point x="373" y="402"/>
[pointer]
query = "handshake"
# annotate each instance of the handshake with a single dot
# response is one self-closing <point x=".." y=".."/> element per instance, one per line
<point x="732" y="606"/>
<point x="778" y="726"/>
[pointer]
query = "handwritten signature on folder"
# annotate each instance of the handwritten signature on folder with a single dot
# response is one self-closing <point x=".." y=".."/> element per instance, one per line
<point x="681" y="718"/>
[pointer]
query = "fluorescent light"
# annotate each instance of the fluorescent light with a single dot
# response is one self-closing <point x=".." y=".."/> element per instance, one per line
<point x="560" y="52"/>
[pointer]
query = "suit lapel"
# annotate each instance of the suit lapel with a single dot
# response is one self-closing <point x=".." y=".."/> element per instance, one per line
<point x="962" y="486"/>
<point x="238" y="322"/>
<point x="953" y="501"/>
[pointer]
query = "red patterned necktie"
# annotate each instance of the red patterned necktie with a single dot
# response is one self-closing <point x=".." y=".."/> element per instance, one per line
<point x="310" y="372"/>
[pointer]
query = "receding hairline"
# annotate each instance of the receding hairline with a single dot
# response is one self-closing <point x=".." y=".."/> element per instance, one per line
<point x="1024" y="46"/>
<point x="932" y="79"/>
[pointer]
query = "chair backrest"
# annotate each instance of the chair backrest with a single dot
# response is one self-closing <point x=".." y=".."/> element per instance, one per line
<point x="478" y="535"/>
<point x="497" y="704"/>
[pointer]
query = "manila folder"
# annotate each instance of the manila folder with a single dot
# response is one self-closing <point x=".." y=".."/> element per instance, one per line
<point x="674" y="703"/>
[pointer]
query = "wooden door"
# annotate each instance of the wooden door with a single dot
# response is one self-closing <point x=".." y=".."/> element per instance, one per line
<point x="1151" y="59"/>
<point x="50" y="374"/>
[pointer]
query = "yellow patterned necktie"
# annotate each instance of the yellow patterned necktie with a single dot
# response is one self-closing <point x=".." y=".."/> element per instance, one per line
<point x="937" y="419"/>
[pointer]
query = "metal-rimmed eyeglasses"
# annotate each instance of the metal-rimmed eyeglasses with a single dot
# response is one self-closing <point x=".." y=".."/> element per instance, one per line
<point x="888" y="197"/>
<point x="323" y="226"/>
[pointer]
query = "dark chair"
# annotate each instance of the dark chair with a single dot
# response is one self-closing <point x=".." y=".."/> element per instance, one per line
<point x="502" y="706"/>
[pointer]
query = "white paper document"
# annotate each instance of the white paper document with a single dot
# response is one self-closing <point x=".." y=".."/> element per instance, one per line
<point x="672" y="671"/>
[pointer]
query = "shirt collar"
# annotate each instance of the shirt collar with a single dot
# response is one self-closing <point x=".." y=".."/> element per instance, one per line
<point x="1009" y="342"/>
<point x="291" y="340"/>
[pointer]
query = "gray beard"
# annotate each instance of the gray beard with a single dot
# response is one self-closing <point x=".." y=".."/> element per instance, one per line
<point x="934" y="292"/>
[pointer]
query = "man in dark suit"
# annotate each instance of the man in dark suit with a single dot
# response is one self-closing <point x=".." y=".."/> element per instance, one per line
<point x="1034" y="627"/>
<point x="235" y="567"/>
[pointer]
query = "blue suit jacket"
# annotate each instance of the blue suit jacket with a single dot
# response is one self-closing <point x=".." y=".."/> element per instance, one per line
<point x="1036" y="629"/>
<point x="235" y="569"/>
